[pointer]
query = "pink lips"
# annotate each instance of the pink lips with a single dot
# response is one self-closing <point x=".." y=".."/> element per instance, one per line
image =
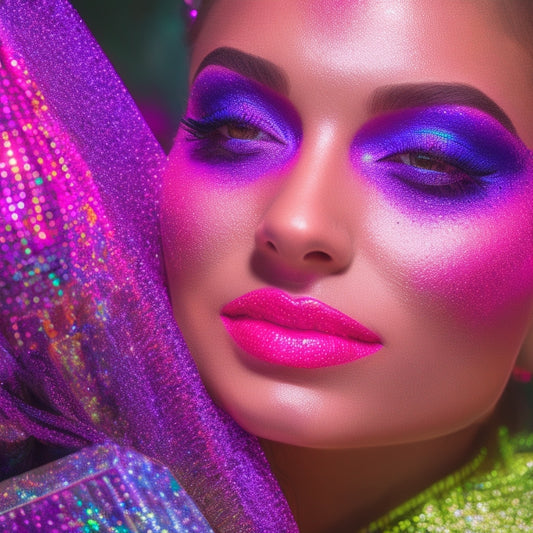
<point x="296" y="332"/>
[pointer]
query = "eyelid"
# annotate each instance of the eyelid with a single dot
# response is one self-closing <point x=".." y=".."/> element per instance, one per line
<point x="254" y="117"/>
<point x="404" y="158"/>
<point x="261" y="135"/>
<point x="479" y="148"/>
<point x="224" y="93"/>
<point x="417" y="176"/>
<point x="476" y="148"/>
<point x="462" y="158"/>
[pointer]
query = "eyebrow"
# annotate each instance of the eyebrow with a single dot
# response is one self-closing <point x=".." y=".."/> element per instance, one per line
<point x="386" y="98"/>
<point x="395" y="97"/>
<point x="248" y="65"/>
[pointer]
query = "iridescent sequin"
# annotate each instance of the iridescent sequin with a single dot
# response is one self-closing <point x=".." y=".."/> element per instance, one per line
<point x="105" y="489"/>
<point x="53" y="238"/>
<point x="89" y="350"/>
<point x="494" y="492"/>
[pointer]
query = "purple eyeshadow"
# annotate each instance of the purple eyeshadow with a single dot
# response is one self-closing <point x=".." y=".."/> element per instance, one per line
<point x="220" y="97"/>
<point x="434" y="160"/>
<point x="488" y="161"/>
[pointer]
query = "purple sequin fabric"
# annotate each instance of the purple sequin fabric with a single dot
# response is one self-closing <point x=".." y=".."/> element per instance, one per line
<point x="89" y="349"/>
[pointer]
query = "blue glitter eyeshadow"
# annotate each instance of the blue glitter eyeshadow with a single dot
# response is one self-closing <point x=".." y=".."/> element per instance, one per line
<point x="443" y="157"/>
<point x="222" y="100"/>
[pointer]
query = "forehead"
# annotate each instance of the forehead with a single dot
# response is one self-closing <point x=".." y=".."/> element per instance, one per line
<point x="344" y="48"/>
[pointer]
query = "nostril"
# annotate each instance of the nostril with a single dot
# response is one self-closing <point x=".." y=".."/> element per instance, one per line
<point x="271" y="246"/>
<point x="318" y="256"/>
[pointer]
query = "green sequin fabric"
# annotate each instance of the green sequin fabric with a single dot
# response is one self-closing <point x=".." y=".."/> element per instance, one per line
<point x="492" y="493"/>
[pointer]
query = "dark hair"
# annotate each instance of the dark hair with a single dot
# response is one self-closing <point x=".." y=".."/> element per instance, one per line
<point x="517" y="19"/>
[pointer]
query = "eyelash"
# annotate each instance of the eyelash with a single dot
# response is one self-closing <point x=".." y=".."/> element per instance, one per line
<point x="454" y="183"/>
<point x="206" y="127"/>
<point x="214" y="145"/>
<point x="467" y="178"/>
<point x="200" y="129"/>
<point x="464" y="175"/>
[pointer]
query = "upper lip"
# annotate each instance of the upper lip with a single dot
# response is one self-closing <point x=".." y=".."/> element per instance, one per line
<point x="304" y="313"/>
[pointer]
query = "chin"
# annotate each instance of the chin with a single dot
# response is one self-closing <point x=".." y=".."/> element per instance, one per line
<point x="300" y="418"/>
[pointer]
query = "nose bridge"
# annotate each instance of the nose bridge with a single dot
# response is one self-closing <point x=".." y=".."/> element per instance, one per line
<point x="313" y="184"/>
<point x="306" y="225"/>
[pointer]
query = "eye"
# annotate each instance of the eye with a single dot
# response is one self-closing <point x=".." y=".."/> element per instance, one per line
<point x="228" y="138"/>
<point x="436" y="173"/>
<point x="244" y="132"/>
<point x="217" y="130"/>
<point x="424" y="161"/>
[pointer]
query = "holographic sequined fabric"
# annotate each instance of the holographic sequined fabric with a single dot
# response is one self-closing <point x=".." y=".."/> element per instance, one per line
<point x="100" y="489"/>
<point x="90" y="351"/>
<point x="493" y="493"/>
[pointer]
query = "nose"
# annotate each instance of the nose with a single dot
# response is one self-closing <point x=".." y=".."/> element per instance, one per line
<point x="307" y="227"/>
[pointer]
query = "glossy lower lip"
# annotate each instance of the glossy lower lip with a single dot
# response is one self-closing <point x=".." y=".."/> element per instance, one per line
<point x="296" y="332"/>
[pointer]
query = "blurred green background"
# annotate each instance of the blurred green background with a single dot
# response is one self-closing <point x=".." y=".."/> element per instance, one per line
<point x="145" y="42"/>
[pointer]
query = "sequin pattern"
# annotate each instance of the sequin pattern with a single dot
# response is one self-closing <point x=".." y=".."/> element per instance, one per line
<point x="91" y="351"/>
<point x="104" y="488"/>
<point x="494" y="492"/>
<point x="53" y="241"/>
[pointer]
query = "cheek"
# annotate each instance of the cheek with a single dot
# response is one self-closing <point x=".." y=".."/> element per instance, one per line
<point x="204" y="218"/>
<point x="474" y="270"/>
<point x="190" y="232"/>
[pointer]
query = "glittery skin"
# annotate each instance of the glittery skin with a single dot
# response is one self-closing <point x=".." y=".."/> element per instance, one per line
<point x="103" y="488"/>
<point x="494" y="492"/>
<point x="91" y="351"/>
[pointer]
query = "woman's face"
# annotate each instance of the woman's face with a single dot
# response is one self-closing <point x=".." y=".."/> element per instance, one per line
<point x="348" y="216"/>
